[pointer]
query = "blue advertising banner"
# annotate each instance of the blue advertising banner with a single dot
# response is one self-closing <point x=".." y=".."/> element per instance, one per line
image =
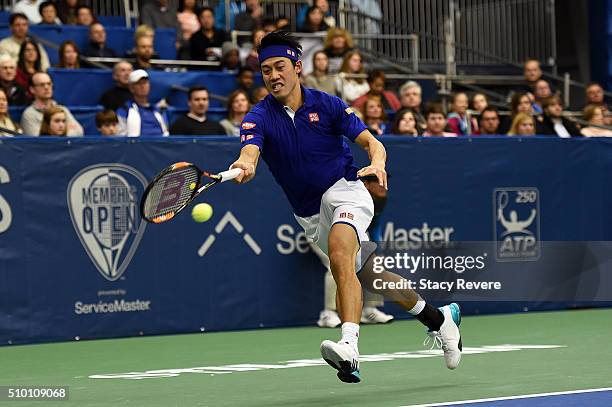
<point x="77" y="261"/>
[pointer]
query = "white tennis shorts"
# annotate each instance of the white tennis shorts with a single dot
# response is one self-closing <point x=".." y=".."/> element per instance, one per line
<point x="344" y="202"/>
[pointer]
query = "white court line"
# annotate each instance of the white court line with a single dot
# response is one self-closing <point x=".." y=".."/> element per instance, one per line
<point x="524" y="396"/>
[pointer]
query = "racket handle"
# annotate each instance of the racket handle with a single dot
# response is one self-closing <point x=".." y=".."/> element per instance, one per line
<point x="230" y="174"/>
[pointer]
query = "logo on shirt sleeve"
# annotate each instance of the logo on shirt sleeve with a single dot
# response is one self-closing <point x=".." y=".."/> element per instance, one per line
<point x="248" y="126"/>
<point x="348" y="110"/>
<point x="246" y="137"/>
<point x="313" y="117"/>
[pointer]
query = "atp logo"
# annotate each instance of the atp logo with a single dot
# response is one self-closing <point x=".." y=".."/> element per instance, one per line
<point x="516" y="220"/>
<point x="103" y="204"/>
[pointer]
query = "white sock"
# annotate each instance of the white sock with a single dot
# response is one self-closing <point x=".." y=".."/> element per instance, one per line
<point x="350" y="333"/>
<point x="416" y="310"/>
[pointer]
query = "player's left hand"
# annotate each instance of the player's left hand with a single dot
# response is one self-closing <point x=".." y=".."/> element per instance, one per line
<point x="376" y="170"/>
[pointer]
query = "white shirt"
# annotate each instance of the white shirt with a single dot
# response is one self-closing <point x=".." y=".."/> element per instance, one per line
<point x="30" y="9"/>
<point x="560" y="129"/>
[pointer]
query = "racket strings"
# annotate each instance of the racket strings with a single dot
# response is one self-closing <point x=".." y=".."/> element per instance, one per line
<point x="171" y="192"/>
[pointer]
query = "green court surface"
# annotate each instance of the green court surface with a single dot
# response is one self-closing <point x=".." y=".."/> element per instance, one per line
<point x="582" y="359"/>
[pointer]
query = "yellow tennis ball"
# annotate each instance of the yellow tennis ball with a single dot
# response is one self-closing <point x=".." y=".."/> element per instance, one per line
<point x="192" y="185"/>
<point x="201" y="212"/>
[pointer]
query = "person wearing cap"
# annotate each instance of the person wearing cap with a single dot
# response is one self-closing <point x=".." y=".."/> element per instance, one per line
<point x="138" y="117"/>
<point x="41" y="87"/>
<point x="299" y="133"/>
<point x="230" y="61"/>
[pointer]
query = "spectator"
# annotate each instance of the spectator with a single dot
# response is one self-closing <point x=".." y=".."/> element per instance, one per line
<point x="138" y="117"/>
<point x="41" y="87"/>
<point x="320" y="78"/>
<point x="19" y="33"/>
<point x="246" y="80"/>
<point x="338" y="43"/>
<point x="489" y="121"/>
<point x="144" y="53"/>
<point x="479" y="103"/>
<point x="187" y="19"/>
<point x="117" y="96"/>
<point x="520" y="103"/>
<point x="188" y="24"/>
<point x="554" y="123"/>
<point x="252" y="60"/>
<point x="314" y="21"/>
<point x="411" y="97"/>
<point x="237" y="107"/>
<point x="250" y="18"/>
<point x="595" y="96"/>
<point x="157" y="14"/>
<point x="69" y="55"/>
<point x="30" y="8"/>
<point x="8" y="127"/>
<point x="260" y="94"/>
<point x="48" y="13"/>
<point x="459" y="120"/>
<point x="532" y="73"/>
<point x="374" y="115"/>
<point x="541" y="91"/>
<point x="208" y="37"/>
<point x="107" y="122"/>
<point x="28" y="64"/>
<point x="15" y="93"/>
<point x="370" y="9"/>
<point x="523" y="124"/>
<point x="595" y="116"/>
<point x="230" y="61"/>
<point x="376" y="81"/>
<point x="405" y="123"/>
<point x="269" y="25"/>
<point x="67" y="11"/>
<point x="53" y="122"/>
<point x="351" y="88"/>
<point x="195" y="122"/>
<point x="328" y="18"/>
<point x="97" y="43"/>
<point x="436" y="121"/>
<point x="235" y="6"/>
<point x="281" y="23"/>
<point x="85" y="16"/>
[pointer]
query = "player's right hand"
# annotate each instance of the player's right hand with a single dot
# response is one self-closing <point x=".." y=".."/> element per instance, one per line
<point x="248" y="171"/>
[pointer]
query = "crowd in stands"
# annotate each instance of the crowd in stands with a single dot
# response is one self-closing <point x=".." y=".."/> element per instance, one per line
<point x="332" y="64"/>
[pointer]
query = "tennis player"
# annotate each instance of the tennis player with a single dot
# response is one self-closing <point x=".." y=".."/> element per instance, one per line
<point x="299" y="133"/>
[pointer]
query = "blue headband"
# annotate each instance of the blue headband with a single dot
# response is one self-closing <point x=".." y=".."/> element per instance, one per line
<point x="279" y="51"/>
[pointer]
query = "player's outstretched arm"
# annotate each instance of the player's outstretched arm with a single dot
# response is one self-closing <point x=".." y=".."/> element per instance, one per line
<point x="378" y="157"/>
<point x="249" y="156"/>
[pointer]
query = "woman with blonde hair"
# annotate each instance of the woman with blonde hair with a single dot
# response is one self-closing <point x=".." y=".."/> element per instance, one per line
<point x="7" y="125"/>
<point x="336" y="45"/>
<point x="237" y="107"/>
<point x="523" y="124"/>
<point x="54" y="122"/>
<point x="351" y="88"/>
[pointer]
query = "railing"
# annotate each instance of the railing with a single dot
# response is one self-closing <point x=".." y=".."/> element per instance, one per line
<point x="470" y="32"/>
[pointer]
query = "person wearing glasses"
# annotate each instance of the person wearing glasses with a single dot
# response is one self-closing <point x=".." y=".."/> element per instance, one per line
<point x="41" y="87"/>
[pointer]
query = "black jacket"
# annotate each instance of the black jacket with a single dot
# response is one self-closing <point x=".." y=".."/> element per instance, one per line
<point x="548" y="127"/>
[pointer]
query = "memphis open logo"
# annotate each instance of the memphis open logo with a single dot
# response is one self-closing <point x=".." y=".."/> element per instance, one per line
<point x="103" y="203"/>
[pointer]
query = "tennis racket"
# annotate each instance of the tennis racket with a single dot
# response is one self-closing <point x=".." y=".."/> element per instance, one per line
<point x="173" y="189"/>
